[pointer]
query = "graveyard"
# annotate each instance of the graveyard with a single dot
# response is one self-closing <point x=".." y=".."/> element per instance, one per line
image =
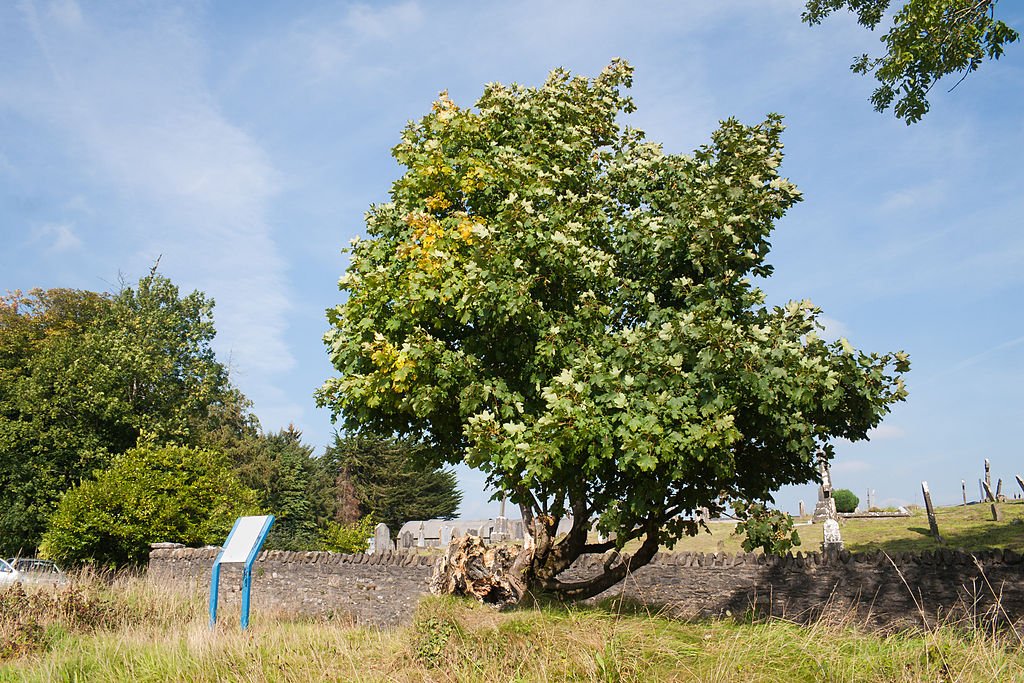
<point x="527" y="342"/>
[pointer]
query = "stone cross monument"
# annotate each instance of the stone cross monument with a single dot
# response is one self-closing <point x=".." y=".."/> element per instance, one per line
<point x="826" y="507"/>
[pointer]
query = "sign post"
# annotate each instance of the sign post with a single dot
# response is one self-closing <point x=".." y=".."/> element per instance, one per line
<point x="243" y="544"/>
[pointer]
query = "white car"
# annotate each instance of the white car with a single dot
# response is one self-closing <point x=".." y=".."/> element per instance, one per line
<point x="8" y="574"/>
<point x="30" y="570"/>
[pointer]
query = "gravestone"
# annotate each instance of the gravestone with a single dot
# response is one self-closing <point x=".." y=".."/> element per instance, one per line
<point x="932" y="524"/>
<point x="826" y="506"/>
<point x="421" y="537"/>
<point x="831" y="538"/>
<point x="803" y="512"/>
<point x="405" y="539"/>
<point x="381" y="538"/>
<point x="989" y="496"/>
<point x="446" y="536"/>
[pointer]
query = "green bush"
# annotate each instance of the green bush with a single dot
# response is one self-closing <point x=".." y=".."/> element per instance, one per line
<point x="149" y="494"/>
<point x="846" y="500"/>
<point x="348" y="538"/>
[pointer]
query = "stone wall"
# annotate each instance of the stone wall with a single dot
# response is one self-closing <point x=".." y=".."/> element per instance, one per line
<point x="380" y="589"/>
<point x="897" y="590"/>
<point x="870" y="588"/>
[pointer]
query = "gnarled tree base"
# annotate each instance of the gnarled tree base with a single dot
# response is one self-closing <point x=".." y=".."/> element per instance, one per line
<point x="487" y="573"/>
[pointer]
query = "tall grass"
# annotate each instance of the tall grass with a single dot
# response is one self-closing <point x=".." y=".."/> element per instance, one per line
<point x="141" y="631"/>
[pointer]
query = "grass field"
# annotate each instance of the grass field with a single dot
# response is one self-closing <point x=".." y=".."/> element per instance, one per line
<point x="144" y="634"/>
<point x="962" y="527"/>
<point x="133" y="630"/>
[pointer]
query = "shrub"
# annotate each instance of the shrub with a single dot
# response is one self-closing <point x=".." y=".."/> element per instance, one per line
<point x="846" y="500"/>
<point x="149" y="494"/>
<point x="348" y="538"/>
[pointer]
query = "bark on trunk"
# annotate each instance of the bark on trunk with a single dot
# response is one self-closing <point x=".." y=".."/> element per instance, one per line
<point x="501" y="575"/>
<point x="486" y="573"/>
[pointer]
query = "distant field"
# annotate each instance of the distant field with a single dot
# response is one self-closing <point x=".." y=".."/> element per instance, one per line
<point x="962" y="527"/>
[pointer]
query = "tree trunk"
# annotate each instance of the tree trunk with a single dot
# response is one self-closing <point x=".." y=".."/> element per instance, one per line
<point x="486" y="573"/>
<point x="501" y="575"/>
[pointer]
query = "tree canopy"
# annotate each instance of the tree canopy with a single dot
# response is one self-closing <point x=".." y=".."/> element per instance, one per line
<point x="289" y="482"/>
<point x="560" y="303"/>
<point x="149" y="494"/>
<point x="390" y="480"/>
<point x="929" y="39"/>
<point x="85" y="376"/>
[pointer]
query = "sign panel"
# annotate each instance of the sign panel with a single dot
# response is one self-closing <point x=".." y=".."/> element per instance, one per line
<point x="247" y="535"/>
<point x="242" y="546"/>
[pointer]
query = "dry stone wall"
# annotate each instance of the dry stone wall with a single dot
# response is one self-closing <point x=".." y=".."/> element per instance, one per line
<point x="381" y="589"/>
<point x="896" y="590"/>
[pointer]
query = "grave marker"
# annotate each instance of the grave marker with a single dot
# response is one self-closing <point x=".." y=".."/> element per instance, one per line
<point x="989" y="496"/>
<point x="826" y="505"/>
<point x="832" y="539"/>
<point x="381" y="538"/>
<point x="932" y="524"/>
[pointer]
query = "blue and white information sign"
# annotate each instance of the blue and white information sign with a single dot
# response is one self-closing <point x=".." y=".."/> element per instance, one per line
<point x="243" y="545"/>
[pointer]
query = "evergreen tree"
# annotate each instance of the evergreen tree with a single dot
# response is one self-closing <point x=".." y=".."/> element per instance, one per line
<point x="289" y="481"/>
<point x="389" y="480"/>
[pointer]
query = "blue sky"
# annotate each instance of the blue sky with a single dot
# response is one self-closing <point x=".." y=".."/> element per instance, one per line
<point x="243" y="142"/>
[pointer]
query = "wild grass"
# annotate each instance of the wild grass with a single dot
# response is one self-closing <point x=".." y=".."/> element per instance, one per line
<point x="148" y="633"/>
<point x="126" y="628"/>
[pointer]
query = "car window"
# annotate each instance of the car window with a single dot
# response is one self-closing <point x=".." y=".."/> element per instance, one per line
<point x="5" y="568"/>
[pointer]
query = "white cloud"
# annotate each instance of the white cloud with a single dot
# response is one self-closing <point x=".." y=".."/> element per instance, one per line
<point x="130" y="98"/>
<point x="833" y="329"/>
<point x="983" y="355"/>
<point x="332" y="48"/>
<point x="886" y="432"/>
<point x="57" y="237"/>
<point x="67" y="13"/>
<point x="377" y="22"/>
<point x="917" y="198"/>
<point x="850" y="466"/>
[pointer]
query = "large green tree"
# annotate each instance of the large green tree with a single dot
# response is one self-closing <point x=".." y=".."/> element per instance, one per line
<point x="928" y="39"/>
<point x="289" y="482"/>
<point x="390" y="480"/>
<point x="85" y="376"/>
<point x="572" y="310"/>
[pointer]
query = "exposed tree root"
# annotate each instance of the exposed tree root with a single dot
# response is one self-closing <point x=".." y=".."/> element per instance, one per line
<point x="484" y="572"/>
